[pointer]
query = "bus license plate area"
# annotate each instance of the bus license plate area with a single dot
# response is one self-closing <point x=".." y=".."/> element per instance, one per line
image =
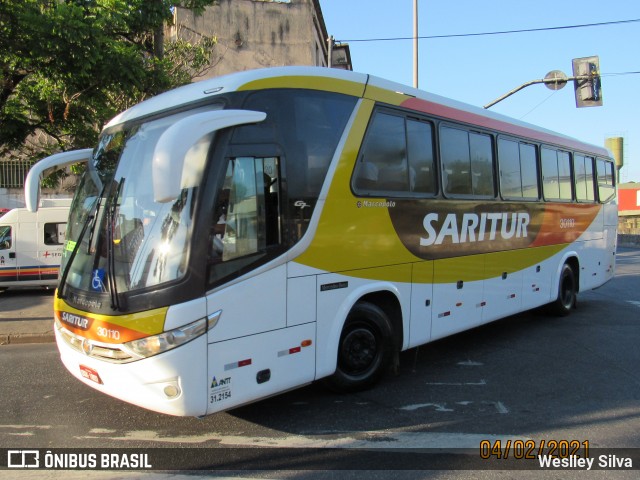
<point x="90" y="374"/>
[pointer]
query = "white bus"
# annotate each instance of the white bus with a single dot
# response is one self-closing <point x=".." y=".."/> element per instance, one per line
<point x="249" y="234"/>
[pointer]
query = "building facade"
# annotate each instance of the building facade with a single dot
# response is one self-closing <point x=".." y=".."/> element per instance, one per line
<point x="629" y="208"/>
<point x="260" y="33"/>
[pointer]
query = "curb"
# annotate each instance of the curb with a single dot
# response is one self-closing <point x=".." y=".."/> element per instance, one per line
<point x="25" y="338"/>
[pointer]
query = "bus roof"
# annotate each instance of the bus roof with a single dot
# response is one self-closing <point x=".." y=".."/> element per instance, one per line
<point x="359" y="84"/>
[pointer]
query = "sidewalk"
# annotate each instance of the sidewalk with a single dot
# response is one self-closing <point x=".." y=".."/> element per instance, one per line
<point x="26" y="316"/>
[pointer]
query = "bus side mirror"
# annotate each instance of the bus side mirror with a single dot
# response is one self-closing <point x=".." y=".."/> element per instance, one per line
<point x="173" y="145"/>
<point x="32" y="182"/>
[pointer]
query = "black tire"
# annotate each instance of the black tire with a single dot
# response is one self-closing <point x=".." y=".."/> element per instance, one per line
<point x="567" y="292"/>
<point x="365" y="349"/>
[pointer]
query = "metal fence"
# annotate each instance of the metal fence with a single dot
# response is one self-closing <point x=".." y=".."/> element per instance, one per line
<point x="14" y="172"/>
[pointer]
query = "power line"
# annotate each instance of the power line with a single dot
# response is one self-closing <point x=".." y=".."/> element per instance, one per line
<point x="503" y="32"/>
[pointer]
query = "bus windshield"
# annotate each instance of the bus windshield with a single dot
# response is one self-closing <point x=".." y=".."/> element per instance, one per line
<point x="119" y="238"/>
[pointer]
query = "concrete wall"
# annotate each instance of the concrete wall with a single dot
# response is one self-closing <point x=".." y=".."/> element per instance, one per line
<point x="625" y="240"/>
<point x="256" y="34"/>
<point x="14" y="197"/>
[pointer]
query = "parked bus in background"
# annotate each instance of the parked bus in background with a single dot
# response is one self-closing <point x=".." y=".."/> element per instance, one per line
<point x="249" y="234"/>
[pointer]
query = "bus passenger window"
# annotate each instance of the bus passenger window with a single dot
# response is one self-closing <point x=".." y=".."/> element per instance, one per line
<point x="518" y="170"/>
<point x="584" y="184"/>
<point x="529" y="171"/>
<point x="481" y="157"/>
<point x="606" y="180"/>
<point x="564" y="175"/>
<point x="550" y="185"/>
<point x="467" y="163"/>
<point x="454" y="150"/>
<point x="383" y="162"/>
<point x="420" y="150"/>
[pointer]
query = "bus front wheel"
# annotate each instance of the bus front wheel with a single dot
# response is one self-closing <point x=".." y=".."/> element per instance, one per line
<point x="365" y="349"/>
<point x="567" y="292"/>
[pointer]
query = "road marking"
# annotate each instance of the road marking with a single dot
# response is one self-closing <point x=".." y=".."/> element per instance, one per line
<point x="470" y="363"/>
<point x="634" y="302"/>
<point x="458" y="384"/>
<point x="500" y="407"/>
<point x="376" y="439"/>
<point x="439" y="407"/>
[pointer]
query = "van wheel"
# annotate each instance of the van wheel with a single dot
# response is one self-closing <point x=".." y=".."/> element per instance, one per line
<point x="567" y="292"/>
<point x="364" y="351"/>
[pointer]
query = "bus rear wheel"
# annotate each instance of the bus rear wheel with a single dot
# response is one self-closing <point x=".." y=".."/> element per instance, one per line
<point x="364" y="351"/>
<point x="567" y="292"/>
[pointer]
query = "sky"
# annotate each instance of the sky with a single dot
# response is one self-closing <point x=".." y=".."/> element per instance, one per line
<point x="479" y="69"/>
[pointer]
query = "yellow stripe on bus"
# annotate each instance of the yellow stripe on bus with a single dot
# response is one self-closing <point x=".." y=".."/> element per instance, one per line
<point x="309" y="83"/>
<point x="150" y="322"/>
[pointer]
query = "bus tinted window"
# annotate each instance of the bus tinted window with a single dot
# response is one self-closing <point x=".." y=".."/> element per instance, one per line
<point x="518" y="170"/>
<point x="384" y="166"/>
<point x="467" y="163"/>
<point x="454" y="152"/>
<point x="584" y="181"/>
<point x="529" y="166"/>
<point x="556" y="174"/>
<point x="308" y="124"/>
<point x="510" y="178"/>
<point x="396" y="157"/>
<point x="421" y="164"/>
<point x="606" y="180"/>
<point x="564" y="175"/>
<point x="481" y="165"/>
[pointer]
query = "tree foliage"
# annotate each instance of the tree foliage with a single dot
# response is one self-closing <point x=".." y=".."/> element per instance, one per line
<point x="68" y="66"/>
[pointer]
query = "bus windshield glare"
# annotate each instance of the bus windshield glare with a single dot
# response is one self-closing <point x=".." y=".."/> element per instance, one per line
<point x="130" y="242"/>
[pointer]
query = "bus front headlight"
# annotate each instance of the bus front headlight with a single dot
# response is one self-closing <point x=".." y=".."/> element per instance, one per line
<point x="149" y="346"/>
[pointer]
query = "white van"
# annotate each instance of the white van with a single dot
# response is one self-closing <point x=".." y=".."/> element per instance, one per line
<point x="31" y="244"/>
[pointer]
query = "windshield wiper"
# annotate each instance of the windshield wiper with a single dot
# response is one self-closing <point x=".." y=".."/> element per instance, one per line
<point x="91" y="220"/>
<point x="111" y="262"/>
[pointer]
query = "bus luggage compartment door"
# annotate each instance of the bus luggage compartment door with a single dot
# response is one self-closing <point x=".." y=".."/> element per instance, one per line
<point x="246" y="369"/>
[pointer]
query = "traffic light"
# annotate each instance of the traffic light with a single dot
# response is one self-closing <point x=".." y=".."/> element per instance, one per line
<point x="588" y="88"/>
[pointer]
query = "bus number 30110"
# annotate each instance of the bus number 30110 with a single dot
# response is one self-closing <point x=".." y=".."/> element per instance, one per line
<point x="567" y="222"/>
<point x="108" y="333"/>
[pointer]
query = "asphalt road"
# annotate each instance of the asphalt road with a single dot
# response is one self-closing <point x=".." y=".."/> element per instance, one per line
<point x="529" y="377"/>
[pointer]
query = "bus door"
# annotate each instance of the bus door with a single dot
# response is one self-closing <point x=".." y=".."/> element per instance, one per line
<point x="8" y="270"/>
<point x="254" y="351"/>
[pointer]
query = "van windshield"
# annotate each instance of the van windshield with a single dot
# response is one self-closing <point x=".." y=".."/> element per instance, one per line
<point x="119" y="239"/>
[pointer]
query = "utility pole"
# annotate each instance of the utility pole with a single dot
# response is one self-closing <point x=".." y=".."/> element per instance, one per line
<point x="415" y="43"/>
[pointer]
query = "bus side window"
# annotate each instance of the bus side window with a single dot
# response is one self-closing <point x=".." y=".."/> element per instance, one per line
<point x="246" y="217"/>
<point x="383" y="165"/>
<point x="584" y="180"/>
<point x="467" y="163"/>
<point x="606" y="180"/>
